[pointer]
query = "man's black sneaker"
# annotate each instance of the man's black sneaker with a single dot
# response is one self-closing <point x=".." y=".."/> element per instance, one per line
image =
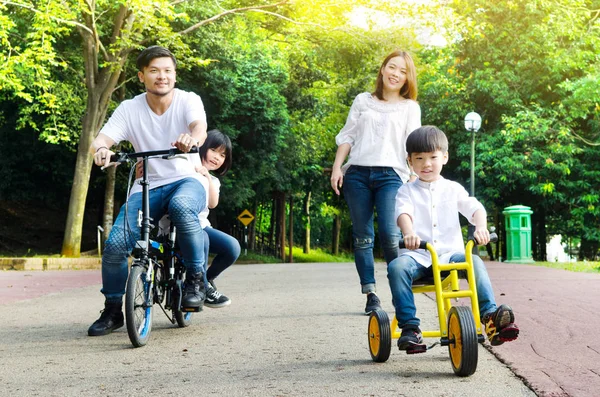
<point x="194" y="293"/>
<point x="411" y="340"/>
<point x="214" y="298"/>
<point x="373" y="303"/>
<point x="500" y="325"/>
<point x="110" y="319"/>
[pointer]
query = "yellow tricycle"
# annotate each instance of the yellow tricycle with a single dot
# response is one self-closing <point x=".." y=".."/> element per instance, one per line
<point x="460" y="327"/>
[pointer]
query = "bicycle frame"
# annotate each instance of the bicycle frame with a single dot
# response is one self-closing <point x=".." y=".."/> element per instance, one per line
<point x="151" y="261"/>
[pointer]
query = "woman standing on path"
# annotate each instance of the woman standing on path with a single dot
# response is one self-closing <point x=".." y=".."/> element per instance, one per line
<point x="373" y="139"/>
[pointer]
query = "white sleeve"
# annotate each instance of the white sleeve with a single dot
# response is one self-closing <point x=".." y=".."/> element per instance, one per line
<point x="466" y="205"/>
<point x="404" y="204"/>
<point x="116" y="126"/>
<point x="348" y="133"/>
<point x="194" y="110"/>
<point x="414" y="117"/>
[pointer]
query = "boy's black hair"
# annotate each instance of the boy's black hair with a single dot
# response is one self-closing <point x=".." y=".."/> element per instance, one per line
<point x="426" y="139"/>
<point x="215" y="139"/>
<point x="151" y="53"/>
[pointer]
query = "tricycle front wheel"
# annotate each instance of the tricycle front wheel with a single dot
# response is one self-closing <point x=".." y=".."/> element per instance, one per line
<point x="463" y="347"/>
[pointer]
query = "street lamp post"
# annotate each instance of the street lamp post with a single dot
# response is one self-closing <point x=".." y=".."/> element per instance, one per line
<point x="473" y="124"/>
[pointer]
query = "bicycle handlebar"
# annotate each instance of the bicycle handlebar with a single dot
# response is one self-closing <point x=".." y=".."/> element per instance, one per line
<point x="122" y="157"/>
<point x="423" y="244"/>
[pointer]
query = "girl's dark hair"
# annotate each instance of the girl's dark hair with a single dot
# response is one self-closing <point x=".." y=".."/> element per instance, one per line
<point x="215" y="140"/>
<point x="151" y="53"/>
<point x="426" y="139"/>
<point x="409" y="89"/>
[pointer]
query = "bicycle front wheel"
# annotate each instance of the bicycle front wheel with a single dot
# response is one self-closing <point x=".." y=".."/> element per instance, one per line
<point x="138" y="306"/>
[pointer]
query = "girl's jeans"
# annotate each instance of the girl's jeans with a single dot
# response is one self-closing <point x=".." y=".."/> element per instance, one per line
<point x="405" y="269"/>
<point x="367" y="188"/>
<point x="183" y="200"/>
<point x="226" y="248"/>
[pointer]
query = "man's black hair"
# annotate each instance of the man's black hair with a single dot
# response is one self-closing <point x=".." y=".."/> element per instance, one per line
<point x="426" y="139"/>
<point x="151" y="53"/>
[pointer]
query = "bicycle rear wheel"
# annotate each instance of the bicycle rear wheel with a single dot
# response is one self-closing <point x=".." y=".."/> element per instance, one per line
<point x="183" y="319"/>
<point x="138" y="306"/>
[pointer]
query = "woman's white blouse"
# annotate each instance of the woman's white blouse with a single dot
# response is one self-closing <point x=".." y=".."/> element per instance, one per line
<point x="377" y="132"/>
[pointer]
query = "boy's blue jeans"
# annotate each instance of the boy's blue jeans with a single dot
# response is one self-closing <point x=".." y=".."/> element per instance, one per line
<point x="183" y="200"/>
<point x="367" y="188"/>
<point x="404" y="270"/>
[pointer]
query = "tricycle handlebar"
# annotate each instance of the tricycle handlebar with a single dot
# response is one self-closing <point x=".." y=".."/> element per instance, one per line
<point x="423" y="244"/>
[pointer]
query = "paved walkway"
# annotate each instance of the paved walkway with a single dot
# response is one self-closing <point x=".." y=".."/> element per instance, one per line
<point x="304" y="321"/>
<point x="293" y="330"/>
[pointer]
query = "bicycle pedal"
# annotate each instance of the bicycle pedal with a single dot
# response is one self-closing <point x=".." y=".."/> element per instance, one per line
<point x="191" y="309"/>
<point x="416" y="349"/>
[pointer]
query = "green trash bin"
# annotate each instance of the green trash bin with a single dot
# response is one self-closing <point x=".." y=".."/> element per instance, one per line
<point x="517" y="220"/>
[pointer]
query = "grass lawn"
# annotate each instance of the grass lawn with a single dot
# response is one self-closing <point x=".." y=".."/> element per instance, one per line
<point x="586" y="267"/>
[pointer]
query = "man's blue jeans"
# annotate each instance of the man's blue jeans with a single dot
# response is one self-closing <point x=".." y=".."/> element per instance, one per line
<point x="404" y="270"/>
<point x="183" y="200"/>
<point x="367" y="189"/>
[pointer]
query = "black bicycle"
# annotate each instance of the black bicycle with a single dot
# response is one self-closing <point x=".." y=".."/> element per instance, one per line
<point x="157" y="272"/>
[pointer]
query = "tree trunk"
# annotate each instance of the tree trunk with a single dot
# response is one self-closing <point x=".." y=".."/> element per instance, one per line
<point x="335" y="239"/>
<point x="281" y="208"/>
<point x="272" y="229"/>
<point x="109" y="201"/>
<point x="111" y="177"/>
<point x="291" y="237"/>
<point x="252" y="230"/>
<point x="307" y="225"/>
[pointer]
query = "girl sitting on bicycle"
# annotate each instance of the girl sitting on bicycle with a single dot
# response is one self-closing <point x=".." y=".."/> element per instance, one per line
<point x="216" y="157"/>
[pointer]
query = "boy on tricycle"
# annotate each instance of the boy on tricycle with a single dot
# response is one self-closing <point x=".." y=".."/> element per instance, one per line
<point x="428" y="209"/>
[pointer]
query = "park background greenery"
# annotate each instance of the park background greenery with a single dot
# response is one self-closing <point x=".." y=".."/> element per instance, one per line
<point x="278" y="78"/>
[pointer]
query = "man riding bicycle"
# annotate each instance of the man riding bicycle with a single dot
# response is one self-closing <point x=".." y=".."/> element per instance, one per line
<point x="162" y="117"/>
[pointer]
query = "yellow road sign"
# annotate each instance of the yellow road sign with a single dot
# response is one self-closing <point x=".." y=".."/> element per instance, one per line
<point x="245" y="217"/>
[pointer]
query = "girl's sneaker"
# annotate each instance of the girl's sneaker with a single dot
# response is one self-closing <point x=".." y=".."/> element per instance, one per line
<point x="214" y="299"/>
<point x="500" y="325"/>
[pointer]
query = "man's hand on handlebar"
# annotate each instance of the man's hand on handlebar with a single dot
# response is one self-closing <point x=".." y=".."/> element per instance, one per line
<point x="102" y="157"/>
<point x="185" y="142"/>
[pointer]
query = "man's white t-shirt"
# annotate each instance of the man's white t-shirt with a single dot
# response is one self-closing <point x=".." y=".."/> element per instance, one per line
<point x="134" y="121"/>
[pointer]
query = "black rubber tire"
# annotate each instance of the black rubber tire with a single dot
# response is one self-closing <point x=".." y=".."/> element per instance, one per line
<point x="463" y="347"/>
<point x="380" y="336"/>
<point x="138" y="314"/>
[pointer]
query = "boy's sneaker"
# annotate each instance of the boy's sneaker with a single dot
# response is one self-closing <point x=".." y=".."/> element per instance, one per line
<point x="373" y="303"/>
<point x="214" y="298"/>
<point x="500" y="326"/>
<point x="411" y="340"/>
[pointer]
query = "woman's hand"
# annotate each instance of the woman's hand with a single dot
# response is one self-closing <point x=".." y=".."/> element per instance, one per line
<point x="337" y="179"/>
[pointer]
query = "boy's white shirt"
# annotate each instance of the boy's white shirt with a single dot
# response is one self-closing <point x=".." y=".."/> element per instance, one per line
<point x="134" y="121"/>
<point x="434" y="209"/>
<point x="376" y="132"/>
